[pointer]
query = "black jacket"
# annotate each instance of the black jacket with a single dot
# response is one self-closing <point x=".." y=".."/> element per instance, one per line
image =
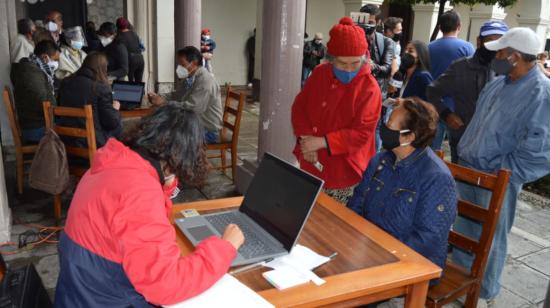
<point x="31" y="89"/>
<point x="311" y="60"/>
<point x="117" y="56"/>
<point x="81" y="89"/>
<point x="463" y="81"/>
<point x="382" y="50"/>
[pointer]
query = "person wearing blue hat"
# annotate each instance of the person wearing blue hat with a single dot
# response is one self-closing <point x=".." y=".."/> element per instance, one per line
<point x="463" y="81"/>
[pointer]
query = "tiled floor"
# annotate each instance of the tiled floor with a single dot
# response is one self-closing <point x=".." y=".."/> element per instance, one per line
<point x="526" y="276"/>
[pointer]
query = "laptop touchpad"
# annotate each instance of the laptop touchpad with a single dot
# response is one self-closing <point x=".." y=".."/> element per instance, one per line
<point x="201" y="232"/>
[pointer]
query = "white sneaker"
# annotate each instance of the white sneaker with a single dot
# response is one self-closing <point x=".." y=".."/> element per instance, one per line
<point x="486" y="303"/>
<point x="249" y="85"/>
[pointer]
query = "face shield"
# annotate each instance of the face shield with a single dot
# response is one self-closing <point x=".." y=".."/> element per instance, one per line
<point x="75" y="36"/>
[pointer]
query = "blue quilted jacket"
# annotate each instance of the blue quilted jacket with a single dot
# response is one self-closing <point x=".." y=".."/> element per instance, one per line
<point x="414" y="200"/>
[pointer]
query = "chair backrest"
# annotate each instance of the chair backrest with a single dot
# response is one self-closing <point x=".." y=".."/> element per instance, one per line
<point x="12" y="117"/>
<point x="488" y="217"/>
<point x="232" y="113"/>
<point x="88" y="133"/>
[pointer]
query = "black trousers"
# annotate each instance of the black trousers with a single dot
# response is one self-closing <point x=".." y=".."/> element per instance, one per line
<point x="136" y="65"/>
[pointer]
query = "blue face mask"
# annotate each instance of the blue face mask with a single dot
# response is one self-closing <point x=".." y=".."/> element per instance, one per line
<point x="343" y="76"/>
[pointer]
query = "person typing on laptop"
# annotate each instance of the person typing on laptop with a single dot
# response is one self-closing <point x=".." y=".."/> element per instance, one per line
<point x="119" y="248"/>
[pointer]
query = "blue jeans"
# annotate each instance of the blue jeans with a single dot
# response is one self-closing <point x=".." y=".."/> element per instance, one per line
<point x="490" y="286"/>
<point x="305" y="74"/>
<point x="211" y="137"/>
<point x="439" y="136"/>
<point x="32" y="135"/>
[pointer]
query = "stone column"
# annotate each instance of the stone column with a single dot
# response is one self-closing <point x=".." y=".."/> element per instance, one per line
<point x="534" y="15"/>
<point x="5" y="214"/>
<point x="140" y="13"/>
<point x="258" y="53"/>
<point x="472" y="19"/>
<point x="282" y="45"/>
<point x="187" y="22"/>
<point x="280" y="35"/>
<point x="355" y="5"/>
<point x="425" y="19"/>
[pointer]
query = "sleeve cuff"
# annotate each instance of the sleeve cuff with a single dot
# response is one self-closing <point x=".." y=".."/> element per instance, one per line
<point x="328" y="145"/>
<point x="444" y="114"/>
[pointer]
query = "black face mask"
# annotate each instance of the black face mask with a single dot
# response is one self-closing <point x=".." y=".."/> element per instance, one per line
<point x="407" y="61"/>
<point x="390" y="137"/>
<point x="486" y="55"/>
<point x="397" y="37"/>
<point x="369" y="29"/>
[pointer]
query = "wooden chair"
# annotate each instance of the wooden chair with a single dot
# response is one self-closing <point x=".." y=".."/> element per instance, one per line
<point x="457" y="281"/>
<point x="229" y="134"/>
<point x="21" y="150"/>
<point x="88" y="133"/>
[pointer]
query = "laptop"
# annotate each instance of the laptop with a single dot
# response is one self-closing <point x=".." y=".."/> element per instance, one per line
<point x="272" y="215"/>
<point x="128" y="93"/>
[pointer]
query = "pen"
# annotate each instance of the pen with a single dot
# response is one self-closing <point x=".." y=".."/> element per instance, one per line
<point x="249" y="267"/>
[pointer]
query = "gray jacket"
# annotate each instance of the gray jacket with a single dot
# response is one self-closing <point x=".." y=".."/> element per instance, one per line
<point x="463" y="81"/>
<point x="203" y="97"/>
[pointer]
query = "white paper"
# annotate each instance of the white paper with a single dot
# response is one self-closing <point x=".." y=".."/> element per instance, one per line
<point x="227" y="292"/>
<point x="295" y="268"/>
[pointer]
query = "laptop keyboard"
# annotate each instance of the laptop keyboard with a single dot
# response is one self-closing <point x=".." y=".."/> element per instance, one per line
<point x="253" y="245"/>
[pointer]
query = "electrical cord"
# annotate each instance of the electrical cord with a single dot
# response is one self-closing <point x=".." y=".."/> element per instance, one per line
<point x="29" y="239"/>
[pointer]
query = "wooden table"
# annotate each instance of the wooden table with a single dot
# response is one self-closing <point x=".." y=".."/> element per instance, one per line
<point x="135" y="113"/>
<point x="371" y="265"/>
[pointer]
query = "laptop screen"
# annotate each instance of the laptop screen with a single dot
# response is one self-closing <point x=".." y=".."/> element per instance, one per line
<point x="280" y="198"/>
<point x="128" y="92"/>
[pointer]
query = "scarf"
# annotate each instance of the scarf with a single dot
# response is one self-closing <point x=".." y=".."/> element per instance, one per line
<point x="43" y="66"/>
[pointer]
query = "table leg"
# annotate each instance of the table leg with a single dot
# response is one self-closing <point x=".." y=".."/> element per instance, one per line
<point x="416" y="295"/>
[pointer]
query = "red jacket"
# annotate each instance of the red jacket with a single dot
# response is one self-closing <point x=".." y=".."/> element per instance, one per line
<point x="119" y="214"/>
<point x="346" y="115"/>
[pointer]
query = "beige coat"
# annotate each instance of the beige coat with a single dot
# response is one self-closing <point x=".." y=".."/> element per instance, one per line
<point x="20" y="48"/>
<point x="70" y="60"/>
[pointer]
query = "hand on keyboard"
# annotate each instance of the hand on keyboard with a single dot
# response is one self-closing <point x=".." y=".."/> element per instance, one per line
<point x="233" y="235"/>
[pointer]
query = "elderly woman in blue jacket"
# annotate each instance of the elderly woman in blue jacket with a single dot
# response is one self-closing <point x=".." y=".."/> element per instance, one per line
<point x="407" y="190"/>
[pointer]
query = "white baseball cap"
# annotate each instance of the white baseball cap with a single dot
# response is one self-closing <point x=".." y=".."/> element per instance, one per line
<point x="521" y="39"/>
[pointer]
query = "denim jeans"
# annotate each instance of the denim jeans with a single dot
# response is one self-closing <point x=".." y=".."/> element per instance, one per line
<point x="33" y="135"/>
<point x="305" y="74"/>
<point x="497" y="256"/>
<point x="439" y="136"/>
<point x="211" y="137"/>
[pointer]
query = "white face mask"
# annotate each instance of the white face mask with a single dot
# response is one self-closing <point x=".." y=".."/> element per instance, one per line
<point x="206" y="37"/>
<point x="53" y="65"/>
<point x="182" y="72"/>
<point x="105" y="40"/>
<point x="51" y="26"/>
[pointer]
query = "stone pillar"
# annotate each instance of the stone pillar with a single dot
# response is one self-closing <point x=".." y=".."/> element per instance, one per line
<point x="534" y="15"/>
<point x="425" y="19"/>
<point x="355" y="5"/>
<point x="282" y="45"/>
<point x="258" y="53"/>
<point x="7" y="31"/>
<point x="164" y="54"/>
<point x="474" y="17"/>
<point x="5" y="214"/>
<point x="280" y="37"/>
<point x="140" y="14"/>
<point x="187" y="22"/>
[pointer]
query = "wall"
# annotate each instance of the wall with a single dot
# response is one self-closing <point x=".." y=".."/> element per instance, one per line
<point x="231" y="24"/>
<point x="165" y="54"/>
<point x="100" y="11"/>
<point x="321" y="15"/>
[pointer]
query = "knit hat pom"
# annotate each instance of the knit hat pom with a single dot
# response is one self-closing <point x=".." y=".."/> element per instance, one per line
<point x="346" y="20"/>
<point x="347" y="39"/>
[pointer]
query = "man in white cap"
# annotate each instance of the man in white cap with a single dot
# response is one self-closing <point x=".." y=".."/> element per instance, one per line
<point x="510" y="130"/>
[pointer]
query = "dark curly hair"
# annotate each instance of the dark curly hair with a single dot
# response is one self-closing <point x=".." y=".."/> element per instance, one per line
<point x="421" y="119"/>
<point x="175" y="136"/>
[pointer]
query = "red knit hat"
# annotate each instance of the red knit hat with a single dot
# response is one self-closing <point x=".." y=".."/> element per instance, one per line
<point x="205" y="31"/>
<point x="122" y="23"/>
<point x="347" y="39"/>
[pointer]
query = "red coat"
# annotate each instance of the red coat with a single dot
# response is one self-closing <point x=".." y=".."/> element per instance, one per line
<point x="117" y="230"/>
<point x="346" y="114"/>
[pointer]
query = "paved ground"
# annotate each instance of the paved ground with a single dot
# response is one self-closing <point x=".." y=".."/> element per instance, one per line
<point x="526" y="276"/>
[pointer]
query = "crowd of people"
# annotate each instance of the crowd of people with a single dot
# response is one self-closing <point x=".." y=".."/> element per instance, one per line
<point x="369" y="117"/>
<point x="366" y="121"/>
